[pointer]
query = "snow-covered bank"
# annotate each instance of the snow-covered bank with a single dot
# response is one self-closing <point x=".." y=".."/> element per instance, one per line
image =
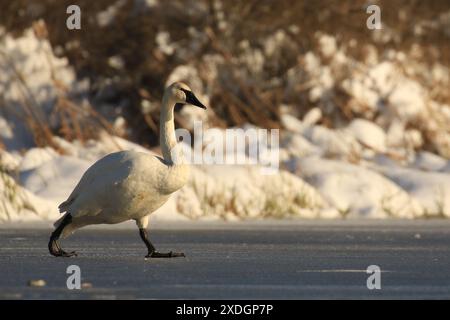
<point x="19" y="204"/>
<point x="316" y="188"/>
<point x="390" y="159"/>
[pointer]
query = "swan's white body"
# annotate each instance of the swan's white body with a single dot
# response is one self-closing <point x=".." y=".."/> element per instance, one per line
<point x="129" y="185"/>
<point x="122" y="186"/>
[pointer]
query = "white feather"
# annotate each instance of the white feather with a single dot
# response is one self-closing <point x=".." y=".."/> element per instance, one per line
<point x="128" y="184"/>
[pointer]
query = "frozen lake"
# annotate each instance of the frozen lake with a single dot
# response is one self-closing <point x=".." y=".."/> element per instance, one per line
<point x="266" y="260"/>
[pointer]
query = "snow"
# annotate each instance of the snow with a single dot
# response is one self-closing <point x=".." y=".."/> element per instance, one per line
<point x="6" y="131"/>
<point x="327" y="45"/>
<point x="312" y="117"/>
<point x="318" y="187"/>
<point x="35" y="68"/>
<point x="430" y="189"/>
<point x="14" y="135"/>
<point x="358" y="192"/>
<point x="333" y="142"/>
<point x="54" y="179"/>
<point x="299" y="146"/>
<point x="369" y="134"/>
<point x="232" y="192"/>
<point x="34" y="157"/>
<point x="380" y="164"/>
<point x="429" y="162"/>
<point x="291" y="123"/>
<point x="19" y="204"/>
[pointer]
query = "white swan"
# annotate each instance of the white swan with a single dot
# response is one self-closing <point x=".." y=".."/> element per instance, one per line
<point x="129" y="185"/>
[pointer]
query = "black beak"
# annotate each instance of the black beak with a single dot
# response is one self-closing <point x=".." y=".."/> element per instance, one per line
<point x="192" y="99"/>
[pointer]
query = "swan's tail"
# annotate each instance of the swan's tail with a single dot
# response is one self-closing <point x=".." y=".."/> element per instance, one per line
<point x="65" y="205"/>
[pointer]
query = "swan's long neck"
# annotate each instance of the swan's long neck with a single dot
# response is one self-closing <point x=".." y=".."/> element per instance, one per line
<point x="167" y="138"/>
<point x="178" y="170"/>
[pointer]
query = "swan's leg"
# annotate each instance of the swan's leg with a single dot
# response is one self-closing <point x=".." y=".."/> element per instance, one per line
<point x="53" y="245"/>
<point x="152" y="253"/>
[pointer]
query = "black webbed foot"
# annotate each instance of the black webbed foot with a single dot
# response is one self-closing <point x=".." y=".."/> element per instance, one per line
<point x="152" y="253"/>
<point x="55" y="250"/>
<point x="156" y="254"/>
<point x="67" y="254"/>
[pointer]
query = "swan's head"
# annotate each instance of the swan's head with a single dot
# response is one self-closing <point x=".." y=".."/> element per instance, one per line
<point x="181" y="93"/>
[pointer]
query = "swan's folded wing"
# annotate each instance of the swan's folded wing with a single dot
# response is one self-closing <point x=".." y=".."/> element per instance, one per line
<point x="94" y="182"/>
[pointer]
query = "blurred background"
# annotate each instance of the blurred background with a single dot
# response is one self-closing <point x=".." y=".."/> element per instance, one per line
<point x="363" y="114"/>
